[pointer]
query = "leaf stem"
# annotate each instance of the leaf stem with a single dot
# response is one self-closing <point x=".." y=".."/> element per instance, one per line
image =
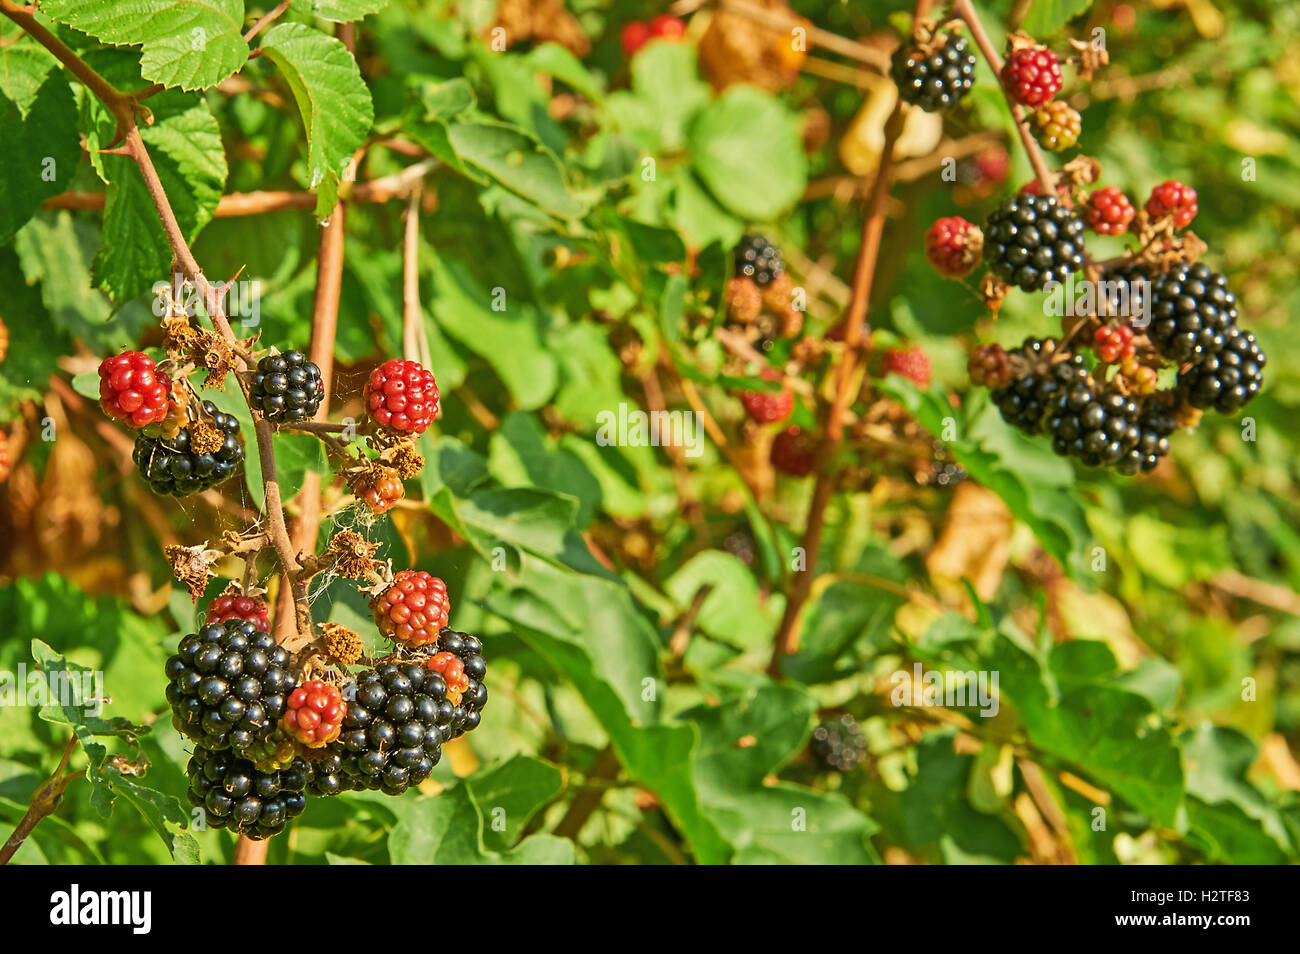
<point x="44" y="801"/>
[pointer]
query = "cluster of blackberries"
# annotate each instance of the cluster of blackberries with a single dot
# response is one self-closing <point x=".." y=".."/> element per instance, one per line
<point x="1052" y="392"/>
<point x="758" y="259"/>
<point x="194" y="459"/>
<point x="1030" y="240"/>
<point x="839" y="744"/>
<point x="236" y="795"/>
<point x="287" y="387"/>
<point x="228" y="685"/>
<point x="934" y="79"/>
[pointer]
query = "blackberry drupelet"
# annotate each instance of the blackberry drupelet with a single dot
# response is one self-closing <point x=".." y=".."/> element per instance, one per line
<point x="235" y="795"/>
<point x="175" y="467"/>
<point x="1035" y="383"/>
<point x="395" y="725"/>
<point x="839" y="744"/>
<point x="936" y="79"/>
<point x="759" y="259"/>
<point x="1032" y="239"/>
<point x="287" y="387"/>
<point x="228" y="685"/>
<point x="1227" y="380"/>
<point x="1191" y="313"/>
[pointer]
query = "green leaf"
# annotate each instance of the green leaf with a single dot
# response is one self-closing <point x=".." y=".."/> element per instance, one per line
<point x="733" y="612"/>
<point x="666" y="92"/>
<point x="510" y="794"/>
<point x="1047" y="16"/>
<point x="449" y="830"/>
<point x="39" y="149"/>
<point x="192" y="44"/>
<point x="747" y="148"/>
<point x="519" y="162"/>
<point x="338" y="11"/>
<point x="332" y="99"/>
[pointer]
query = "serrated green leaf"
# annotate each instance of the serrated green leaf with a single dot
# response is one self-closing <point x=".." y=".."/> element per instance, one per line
<point x="192" y="44"/>
<point x="332" y="99"/>
<point x="517" y="161"/>
<point x="510" y="794"/>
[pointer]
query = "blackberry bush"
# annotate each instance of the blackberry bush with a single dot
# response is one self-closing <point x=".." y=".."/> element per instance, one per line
<point x="1031" y="240"/>
<point x="200" y="456"/>
<point x="934" y="77"/>
<point x="228" y="685"/>
<point x="287" y="387"/>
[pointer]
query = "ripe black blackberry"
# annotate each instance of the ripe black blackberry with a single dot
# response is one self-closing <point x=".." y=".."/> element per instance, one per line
<point x="934" y="79"/>
<point x="839" y="744"/>
<point x="1227" y="380"/>
<point x="759" y="259"/>
<point x="1094" y="425"/>
<point x="228" y="685"/>
<point x="1036" y="381"/>
<point x="1192" y="311"/>
<point x="287" y="387"/>
<point x="1155" y="421"/>
<point x="469" y="649"/>
<point x="397" y="719"/>
<point x="186" y="464"/>
<point x="237" y="796"/>
<point x="327" y="772"/>
<point x="1032" y="239"/>
<point x="1129" y="286"/>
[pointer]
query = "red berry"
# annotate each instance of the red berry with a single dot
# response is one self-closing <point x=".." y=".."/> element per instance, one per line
<point x="954" y="246"/>
<point x="452" y="670"/>
<point x="767" y="407"/>
<point x="132" y="390"/>
<point x="1109" y="211"/>
<point x="668" y="26"/>
<point x="993" y="164"/>
<point x="1114" y="343"/>
<point x="1032" y="75"/>
<point x="402" y="396"/>
<point x="315" y="714"/>
<point x="1173" y="198"/>
<point x="413" y="610"/>
<point x="794" y="452"/>
<point x="911" y="363"/>
<point x="634" y="36"/>
<point x="237" y="606"/>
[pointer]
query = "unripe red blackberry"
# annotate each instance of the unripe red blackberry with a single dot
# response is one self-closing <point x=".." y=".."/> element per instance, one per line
<point x="1113" y="343"/>
<point x="989" y="365"/>
<point x="794" y="452"/>
<point x="234" y="605"/>
<point x="934" y="79"/>
<point x="1057" y="125"/>
<point x="228" y="685"/>
<point x="912" y="363"/>
<point x="314" y="714"/>
<point x="132" y="390"/>
<point x="234" y="794"/>
<point x="287" y="387"/>
<point x="1173" y="198"/>
<point x="954" y="246"/>
<point x="402" y="396"/>
<point x="413" y="610"/>
<point x="1109" y="211"/>
<point x="1032" y="75"/>
<point x="768" y="407"/>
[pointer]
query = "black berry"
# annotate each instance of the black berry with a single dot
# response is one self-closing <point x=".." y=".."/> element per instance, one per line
<point x="228" y="685"/>
<point x="1030" y="240"/>
<point x="759" y="259"/>
<point x="235" y="795"/>
<point x="186" y="463"/>
<point x="936" y="79"/>
<point x="398" y="717"/>
<point x="287" y="387"/>
<point x="1036" y="381"/>
<point x="1228" y="379"/>
<point x="1191" y="312"/>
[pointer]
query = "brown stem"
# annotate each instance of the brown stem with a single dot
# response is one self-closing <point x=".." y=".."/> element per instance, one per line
<point x="411" y="316"/>
<point x="787" y="635"/>
<point x="785" y="20"/>
<point x="43" y="802"/>
<point x="266" y="21"/>
<point x="588" y="799"/>
<point x="964" y="10"/>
